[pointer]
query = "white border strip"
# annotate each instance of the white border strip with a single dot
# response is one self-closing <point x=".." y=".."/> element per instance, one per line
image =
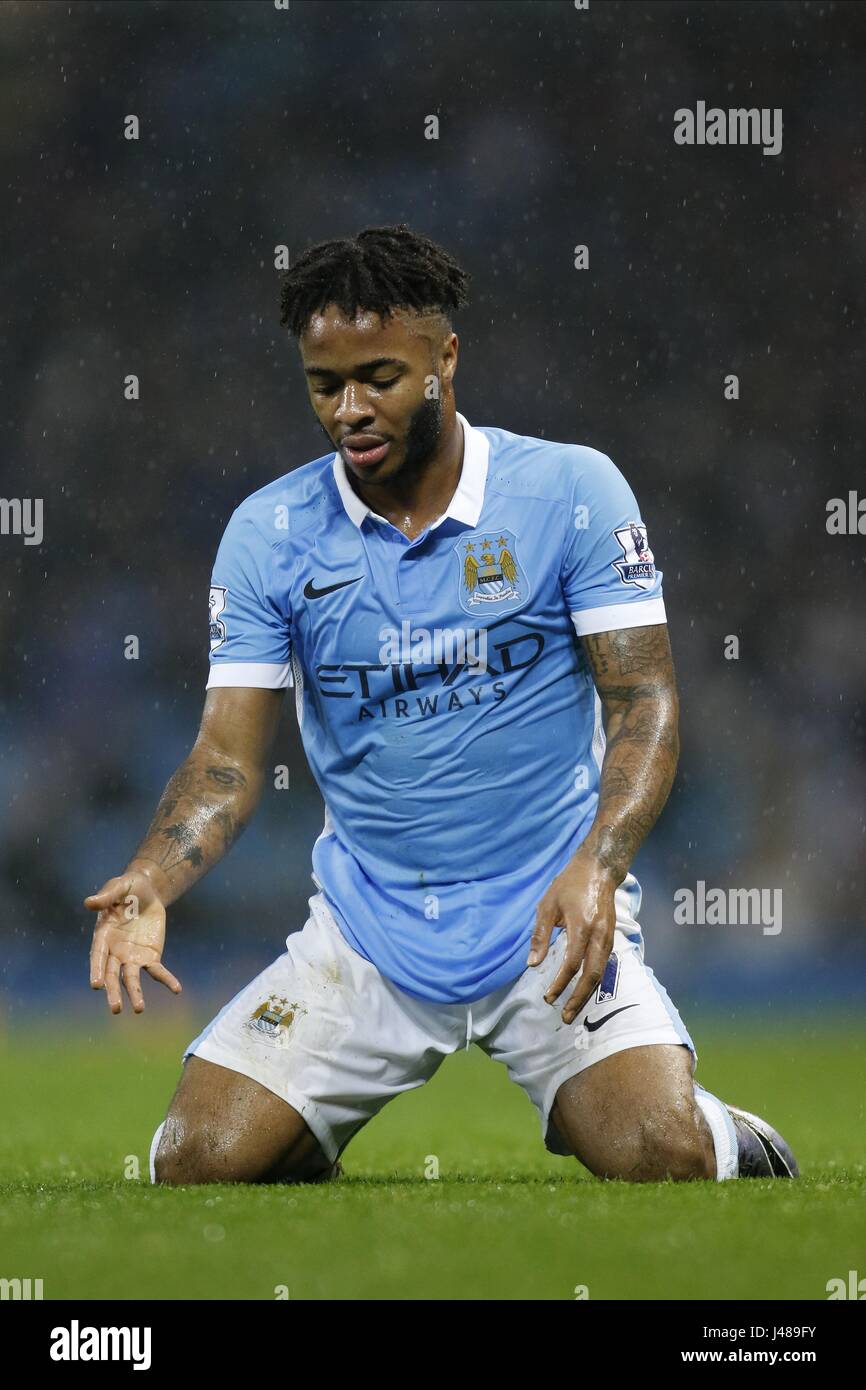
<point x="259" y="675"/>
<point x="638" y="613"/>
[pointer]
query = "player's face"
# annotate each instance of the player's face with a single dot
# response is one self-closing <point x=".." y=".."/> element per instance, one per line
<point x="369" y="384"/>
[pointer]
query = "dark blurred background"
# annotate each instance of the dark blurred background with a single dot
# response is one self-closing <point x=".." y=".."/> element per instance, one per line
<point x="261" y="127"/>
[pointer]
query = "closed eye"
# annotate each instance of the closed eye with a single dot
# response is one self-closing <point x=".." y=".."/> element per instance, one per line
<point x="380" y="386"/>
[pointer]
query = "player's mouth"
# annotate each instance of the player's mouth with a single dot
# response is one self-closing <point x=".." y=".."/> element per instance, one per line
<point x="363" y="450"/>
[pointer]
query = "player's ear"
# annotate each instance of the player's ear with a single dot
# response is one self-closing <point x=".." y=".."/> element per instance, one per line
<point x="449" y="357"/>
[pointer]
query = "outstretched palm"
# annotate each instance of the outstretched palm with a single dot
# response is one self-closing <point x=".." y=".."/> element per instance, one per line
<point x="129" y="937"/>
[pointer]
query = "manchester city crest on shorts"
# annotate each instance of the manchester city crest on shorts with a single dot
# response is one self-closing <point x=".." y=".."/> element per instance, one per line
<point x="491" y="579"/>
<point x="637" y="565"/>
<point x="274" y="1018"/>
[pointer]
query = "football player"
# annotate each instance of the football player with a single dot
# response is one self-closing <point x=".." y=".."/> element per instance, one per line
<point x="473" y="625"/>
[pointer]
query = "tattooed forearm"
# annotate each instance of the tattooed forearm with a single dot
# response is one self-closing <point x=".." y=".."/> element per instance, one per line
<point x="628" y="650"/>
<point x="201" y="813"/>
<point x="634" y="676"/>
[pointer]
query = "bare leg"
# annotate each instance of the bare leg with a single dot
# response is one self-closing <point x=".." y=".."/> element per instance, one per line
<point x="225" y="1127"/>
<point x="634" y="1116"/>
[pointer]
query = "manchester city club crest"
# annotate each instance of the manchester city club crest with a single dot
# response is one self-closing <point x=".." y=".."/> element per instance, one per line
<point x="491" y="578"/>
<point x="274" y="1018"/>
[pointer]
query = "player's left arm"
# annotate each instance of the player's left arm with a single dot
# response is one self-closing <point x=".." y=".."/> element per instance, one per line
<point x="634" y="675"/>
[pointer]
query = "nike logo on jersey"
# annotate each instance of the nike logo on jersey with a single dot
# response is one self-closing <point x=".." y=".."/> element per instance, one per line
<point x="310" y="590"/>
<point x="600" y="1022"/>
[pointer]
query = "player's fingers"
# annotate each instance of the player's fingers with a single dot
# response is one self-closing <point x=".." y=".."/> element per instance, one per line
<point x="593" y="968"/>
<point x="113" y="893"/>
<point x="571" y="963"/>
<point x="165" y="977"/>
<point x="98" y="958"/>
<point x="131" y="977"/>
<point x="545" y="921"/>
<point x="112" y="985"/>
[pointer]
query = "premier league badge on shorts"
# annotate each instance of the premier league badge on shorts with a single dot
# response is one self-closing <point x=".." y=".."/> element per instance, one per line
<point x="491" y="579"/>
<point x="274" y="1018"/>
<point x="609" y="981"/>
<point x="637" y="565"/>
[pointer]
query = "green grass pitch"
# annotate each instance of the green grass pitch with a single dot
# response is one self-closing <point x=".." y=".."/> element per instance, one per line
<point x="504" y="1220"/>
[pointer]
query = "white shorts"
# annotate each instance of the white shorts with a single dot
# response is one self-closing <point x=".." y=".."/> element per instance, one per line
<point x="326" y="1032"/>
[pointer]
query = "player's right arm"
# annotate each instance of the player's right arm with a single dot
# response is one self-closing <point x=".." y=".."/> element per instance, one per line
<point x="215" y="791"/>
<point x="204" y="808"/>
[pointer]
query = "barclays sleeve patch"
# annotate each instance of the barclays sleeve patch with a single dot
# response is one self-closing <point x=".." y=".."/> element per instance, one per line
<point x="637" y="565"/>
<point x="216" y="604"/>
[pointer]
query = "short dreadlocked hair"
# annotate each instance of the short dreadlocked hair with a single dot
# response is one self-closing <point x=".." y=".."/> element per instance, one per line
<point x="381" y="269"/>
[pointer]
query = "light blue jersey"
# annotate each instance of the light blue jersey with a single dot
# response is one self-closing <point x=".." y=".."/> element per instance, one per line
<point x="445" y="702"/>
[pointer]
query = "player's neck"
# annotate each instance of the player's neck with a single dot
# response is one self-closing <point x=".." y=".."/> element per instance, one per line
<point x="411" y="502"/>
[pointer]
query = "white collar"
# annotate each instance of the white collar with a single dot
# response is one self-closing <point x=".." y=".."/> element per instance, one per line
<point x="467" y="501"/>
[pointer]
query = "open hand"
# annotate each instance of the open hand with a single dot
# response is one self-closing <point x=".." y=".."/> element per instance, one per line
<point x="129" y="937"/>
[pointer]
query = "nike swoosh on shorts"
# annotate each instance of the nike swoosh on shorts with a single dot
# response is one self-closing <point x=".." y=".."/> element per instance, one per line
<point x="600" y="1022"/>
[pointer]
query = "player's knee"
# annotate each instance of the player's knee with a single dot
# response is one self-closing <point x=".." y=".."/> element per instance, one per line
<point x="173" y="1166"/>
<point x="190" y="1157"/>
<point x="168" y="1171"/>
<point x="675" y="1147"/>
<point x="662" y="1147"/>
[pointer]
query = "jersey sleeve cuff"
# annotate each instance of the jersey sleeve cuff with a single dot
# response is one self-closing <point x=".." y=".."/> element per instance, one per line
<point x="637" y="613"/>
<point x="259" y="675"/>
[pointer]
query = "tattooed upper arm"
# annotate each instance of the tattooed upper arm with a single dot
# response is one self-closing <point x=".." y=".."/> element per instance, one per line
<point x="630" y="664"/>
<point x="240" y="724"/>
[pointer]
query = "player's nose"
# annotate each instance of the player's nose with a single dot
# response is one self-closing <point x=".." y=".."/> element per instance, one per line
<point x="352" y="404"/>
